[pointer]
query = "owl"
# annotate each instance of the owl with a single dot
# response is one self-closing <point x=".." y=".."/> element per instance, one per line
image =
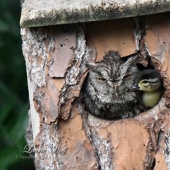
<point x="106" y="91"/>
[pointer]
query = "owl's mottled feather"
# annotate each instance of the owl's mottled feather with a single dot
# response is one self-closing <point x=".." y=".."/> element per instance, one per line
<point x="106" y="90"/>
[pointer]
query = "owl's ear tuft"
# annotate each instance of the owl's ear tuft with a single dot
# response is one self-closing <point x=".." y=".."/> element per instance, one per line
<point x="91" y="66"/>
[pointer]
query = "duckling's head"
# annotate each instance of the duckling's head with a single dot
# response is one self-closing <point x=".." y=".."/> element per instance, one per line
<point x="149" y="84"/>
<point x="148" y="80"/>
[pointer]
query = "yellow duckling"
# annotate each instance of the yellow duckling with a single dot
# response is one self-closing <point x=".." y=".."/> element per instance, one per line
<point x="151" y="84"/>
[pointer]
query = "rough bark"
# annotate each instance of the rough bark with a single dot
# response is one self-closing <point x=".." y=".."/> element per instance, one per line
<point x="64" y="133"/>
<point x="54" y="12"/>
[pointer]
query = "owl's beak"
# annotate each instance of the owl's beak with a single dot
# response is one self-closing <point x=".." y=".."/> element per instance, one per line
<point x="134" y="87"/>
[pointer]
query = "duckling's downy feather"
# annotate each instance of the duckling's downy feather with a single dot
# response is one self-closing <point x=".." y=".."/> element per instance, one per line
<point x="149" y="74"/>
<point x="150" y="82"/>
<point x="150" y="99"/>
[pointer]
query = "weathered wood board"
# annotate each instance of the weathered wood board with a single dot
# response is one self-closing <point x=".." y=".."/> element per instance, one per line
<point x="55" y="12"/>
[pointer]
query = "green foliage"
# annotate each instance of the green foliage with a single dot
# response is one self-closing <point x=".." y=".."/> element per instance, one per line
<point x="13" y="89"/>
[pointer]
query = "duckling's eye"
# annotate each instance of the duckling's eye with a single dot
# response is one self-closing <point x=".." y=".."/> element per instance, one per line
<point x="145" y="82"/>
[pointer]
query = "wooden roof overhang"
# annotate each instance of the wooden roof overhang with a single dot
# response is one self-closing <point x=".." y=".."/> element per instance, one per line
<point x="37" y="13"/>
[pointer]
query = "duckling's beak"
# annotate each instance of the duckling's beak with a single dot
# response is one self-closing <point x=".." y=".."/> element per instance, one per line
<point x="134" y="87"/>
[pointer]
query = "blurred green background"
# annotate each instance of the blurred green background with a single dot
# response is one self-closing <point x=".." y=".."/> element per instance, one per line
<point x="13" y="88"/>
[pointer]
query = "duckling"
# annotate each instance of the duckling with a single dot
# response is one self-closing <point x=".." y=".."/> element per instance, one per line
<point x="151" y="84"/>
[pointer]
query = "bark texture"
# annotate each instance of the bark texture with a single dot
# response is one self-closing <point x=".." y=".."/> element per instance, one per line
<point x="66" y="136"/>
<point x="54" y="12"/>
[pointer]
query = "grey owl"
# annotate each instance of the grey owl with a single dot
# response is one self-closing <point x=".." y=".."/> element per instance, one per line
<point x="106" y="91"/>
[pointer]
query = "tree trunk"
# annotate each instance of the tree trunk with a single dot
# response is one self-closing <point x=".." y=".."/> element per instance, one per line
<point x="65" y="136"/>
